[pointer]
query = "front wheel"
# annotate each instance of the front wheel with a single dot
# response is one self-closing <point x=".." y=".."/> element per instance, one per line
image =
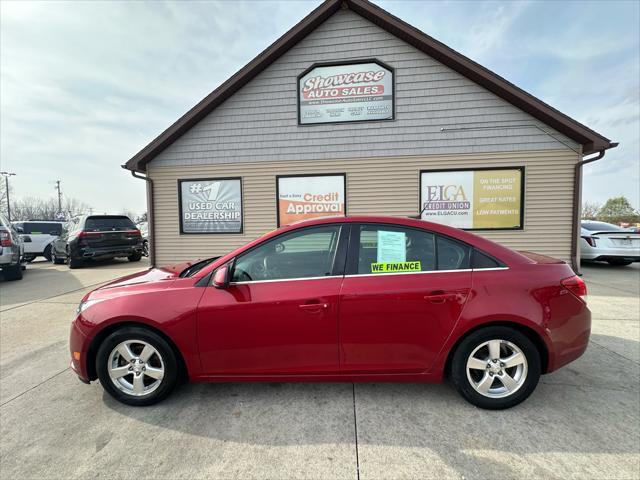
<point x="496" y="368"/>
<point x="55" y="259"/>
<point x="137" y="366"/>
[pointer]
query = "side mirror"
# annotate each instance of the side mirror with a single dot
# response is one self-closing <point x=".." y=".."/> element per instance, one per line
<point x="221" y="277"/>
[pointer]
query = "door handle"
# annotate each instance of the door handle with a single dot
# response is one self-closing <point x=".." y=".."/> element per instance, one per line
<point x="314" y="307"/>
<point x="439" y="296"/>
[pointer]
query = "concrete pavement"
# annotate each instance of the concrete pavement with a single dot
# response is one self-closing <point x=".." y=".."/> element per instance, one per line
<point x="582" y="422"/>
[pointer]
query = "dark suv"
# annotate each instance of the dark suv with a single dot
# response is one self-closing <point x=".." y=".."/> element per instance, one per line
<point x="98" y="237"/>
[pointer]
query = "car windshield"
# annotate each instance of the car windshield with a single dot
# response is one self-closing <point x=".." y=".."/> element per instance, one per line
<point x="100" y="224"/>
<point x="602" y="227"/>
<point x="44" y="228"/>
<point x="196" y="267"/>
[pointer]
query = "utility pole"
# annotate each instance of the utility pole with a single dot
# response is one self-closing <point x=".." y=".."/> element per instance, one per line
<point x="59" y="196"/>
<point x="6" y="176"/>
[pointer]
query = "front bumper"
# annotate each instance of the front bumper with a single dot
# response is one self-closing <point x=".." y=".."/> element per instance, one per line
<point x="79" y="346"/>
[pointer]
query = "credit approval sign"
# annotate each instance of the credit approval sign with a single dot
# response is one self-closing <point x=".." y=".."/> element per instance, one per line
<point x="313" y="196"/>
<point x="346" y="93"/>
<point x="483" y="199"/>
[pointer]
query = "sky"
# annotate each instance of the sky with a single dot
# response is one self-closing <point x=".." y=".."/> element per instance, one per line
<point x="84" y="85"/>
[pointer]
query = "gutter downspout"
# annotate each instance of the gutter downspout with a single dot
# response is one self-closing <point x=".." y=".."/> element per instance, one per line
<point x="577" y="207"/>
<point x="150" y="217"/>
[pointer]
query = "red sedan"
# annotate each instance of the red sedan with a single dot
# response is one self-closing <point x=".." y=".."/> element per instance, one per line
<point x="371" y="299"/>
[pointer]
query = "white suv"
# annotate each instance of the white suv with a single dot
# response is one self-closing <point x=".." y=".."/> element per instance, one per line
<point x="37" y="237"/>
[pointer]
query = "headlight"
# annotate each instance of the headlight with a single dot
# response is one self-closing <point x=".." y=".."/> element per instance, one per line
<point x="84" y="305"/>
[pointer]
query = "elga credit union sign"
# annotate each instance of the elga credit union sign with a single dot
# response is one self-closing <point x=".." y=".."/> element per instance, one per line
<point x="210" y="205"/>
<point x="306" y="197"/>
<point x="473" y="199"/>
<point x="346" y="93"/>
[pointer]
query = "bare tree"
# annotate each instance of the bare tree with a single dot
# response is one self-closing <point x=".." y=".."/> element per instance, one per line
<point x="33" y="208"/>
<point x="590" y="210"/>
<point x="3" y="197"/>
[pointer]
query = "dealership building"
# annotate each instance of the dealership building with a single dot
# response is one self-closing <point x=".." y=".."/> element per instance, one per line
<point x="353" y="111"/>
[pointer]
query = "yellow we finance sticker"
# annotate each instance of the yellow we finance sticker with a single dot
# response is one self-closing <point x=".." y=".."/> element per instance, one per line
<point x="395" y="267"/>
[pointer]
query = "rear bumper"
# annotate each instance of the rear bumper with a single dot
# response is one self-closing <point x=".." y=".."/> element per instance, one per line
<point x="604" y="258"/>
<point x="588" y="252"/>
<point x="569" y="338"/>
<point x="106" y="252"/>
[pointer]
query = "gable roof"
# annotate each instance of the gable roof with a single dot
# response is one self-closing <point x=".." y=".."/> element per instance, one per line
<point x="590" y="140"/>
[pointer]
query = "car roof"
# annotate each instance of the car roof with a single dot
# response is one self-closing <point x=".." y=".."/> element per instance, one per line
<point x="501" y="252"/>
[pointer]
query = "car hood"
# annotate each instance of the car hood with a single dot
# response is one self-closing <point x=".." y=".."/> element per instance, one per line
<point x="161" y="276"/>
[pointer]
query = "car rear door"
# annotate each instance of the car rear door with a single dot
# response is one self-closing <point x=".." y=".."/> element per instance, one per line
<point x="396" y="307"/>
<point x="279" y="314"/>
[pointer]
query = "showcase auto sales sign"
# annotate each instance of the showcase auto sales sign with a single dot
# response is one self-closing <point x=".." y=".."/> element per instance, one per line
<point x="346" y="93"/>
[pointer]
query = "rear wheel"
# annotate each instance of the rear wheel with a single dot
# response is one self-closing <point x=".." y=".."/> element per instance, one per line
<point x="135" y="257"/>
<point x="73" y="262"/>
<point x="618" y="262"/>
<point x="137" y="366"/>
<point x="14" y="272"/>
<point x="496" y="368"/>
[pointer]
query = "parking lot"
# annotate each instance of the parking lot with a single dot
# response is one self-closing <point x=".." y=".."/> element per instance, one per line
<point x="582" y="422"/>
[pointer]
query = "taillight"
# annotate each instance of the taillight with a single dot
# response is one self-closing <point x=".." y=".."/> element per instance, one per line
<point x="84" y="234"/>
<point x="591" y="240"/>
<point x="135" y="232"/>
<point x="576" y="286"/>
<point x="5" y="239"/>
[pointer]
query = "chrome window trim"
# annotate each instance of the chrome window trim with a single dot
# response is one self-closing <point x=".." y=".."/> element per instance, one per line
<point x="284" y="280"/>
<point x="407" y="273"/>
<point x="490" y="268"/>
<point x="248" y="282"/>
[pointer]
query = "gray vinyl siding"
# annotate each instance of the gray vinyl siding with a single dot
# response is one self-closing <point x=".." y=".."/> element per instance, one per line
<point x="374" y="186"/>
<point x="260" y="123"/>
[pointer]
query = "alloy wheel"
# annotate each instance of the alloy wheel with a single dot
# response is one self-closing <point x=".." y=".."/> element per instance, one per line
<point x="136" y="367"/>
<point x="497" y="368"/>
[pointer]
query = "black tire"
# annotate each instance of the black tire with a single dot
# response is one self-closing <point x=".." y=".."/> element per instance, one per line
<point x="145" y="248"/>
<point x="47" y="253"/>
<point x="470" y="343"/>
<point x="73" y="262"/>
<point x="29" y="258"/>
<point x="169" y="380"/>
<point x="55" y="260"/>
<point x="135" y="257"/>
<point x="13" y="272"/>
<point x="618" y="262"/>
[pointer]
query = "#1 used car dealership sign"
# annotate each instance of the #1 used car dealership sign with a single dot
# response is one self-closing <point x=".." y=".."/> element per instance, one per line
<point x="345" y="93"/>
<point x="210" y="205"/>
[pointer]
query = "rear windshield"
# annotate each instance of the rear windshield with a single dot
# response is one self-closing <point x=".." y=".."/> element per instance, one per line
<point x="602" y="227"/>
<point x="35" y="228"/>
<point x="105" y="223"/>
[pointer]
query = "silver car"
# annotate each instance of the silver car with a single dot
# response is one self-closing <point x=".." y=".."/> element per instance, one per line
<point x="604" y="242"/>
<point x="11" y="251"/>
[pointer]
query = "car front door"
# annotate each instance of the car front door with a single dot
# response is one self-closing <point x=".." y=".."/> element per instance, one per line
<point x="403" y="293"/>
<point x="279" y="313"/>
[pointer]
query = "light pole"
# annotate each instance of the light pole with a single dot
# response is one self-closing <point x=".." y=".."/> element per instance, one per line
<point x="6" y="176"/>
